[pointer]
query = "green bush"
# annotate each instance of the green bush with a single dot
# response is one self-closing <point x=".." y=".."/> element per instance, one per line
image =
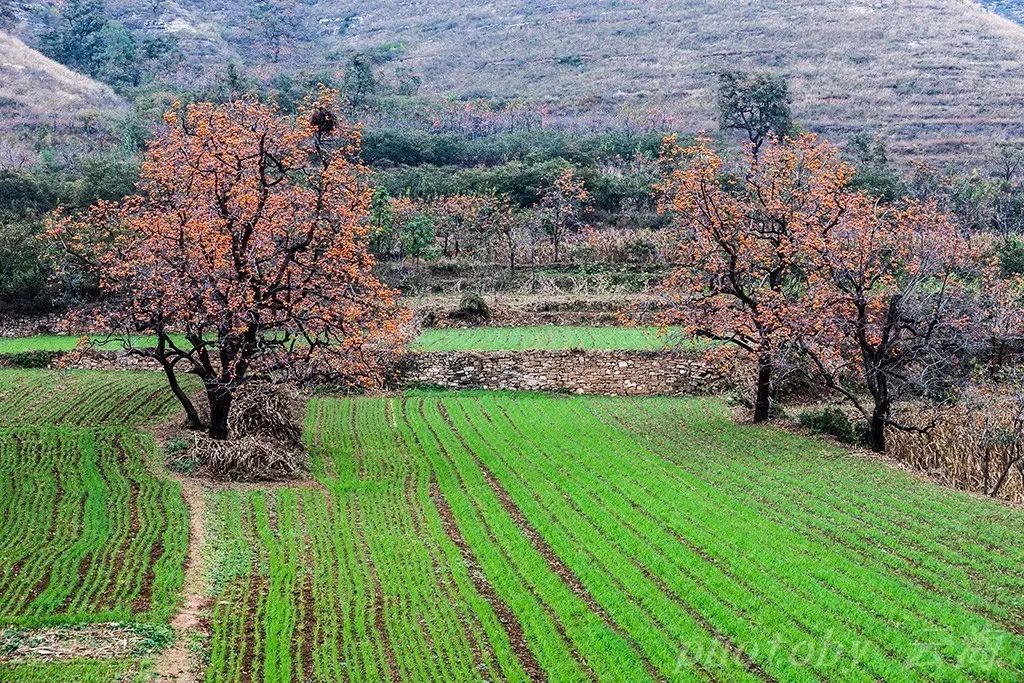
<point x="1011" y="255"/>
<point x="28" y="360"/>
<point x="832" y="421"/>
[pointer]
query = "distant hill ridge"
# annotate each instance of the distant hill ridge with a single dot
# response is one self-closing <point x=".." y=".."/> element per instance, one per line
<point x="940" y="78"/>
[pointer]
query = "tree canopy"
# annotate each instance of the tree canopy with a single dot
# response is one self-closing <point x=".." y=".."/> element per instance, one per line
<point x="248" y="237"/>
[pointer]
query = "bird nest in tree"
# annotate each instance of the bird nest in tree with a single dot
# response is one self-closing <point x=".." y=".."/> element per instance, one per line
<point x="265" y="437"/>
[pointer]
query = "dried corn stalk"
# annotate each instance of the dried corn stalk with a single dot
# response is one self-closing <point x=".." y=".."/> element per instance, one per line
<point x="977" y="446"/>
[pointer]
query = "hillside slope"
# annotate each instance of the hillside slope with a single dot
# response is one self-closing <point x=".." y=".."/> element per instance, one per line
<point x="1011" y="9"/>
<point x="36" y="91"/>
<point x="941" y="78"/>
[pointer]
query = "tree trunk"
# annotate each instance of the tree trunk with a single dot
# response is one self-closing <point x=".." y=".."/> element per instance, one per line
<point x="511" y="258"/>
<point x="879" y="389"/>
<point x="876" y="431"/>
<point x="220" y="406"/>
<point x="763" y="397"/>
<point x="192" y="420"/>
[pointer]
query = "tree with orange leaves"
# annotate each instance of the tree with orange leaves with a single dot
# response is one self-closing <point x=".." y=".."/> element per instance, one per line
<point x="245" y="252"/>
<point x="890" y="308"/>
<point x="562" y="207"/>
<point x="740" y="231"/>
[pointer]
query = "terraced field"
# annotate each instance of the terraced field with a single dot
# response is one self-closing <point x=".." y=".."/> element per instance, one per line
<point x="477" y="536"/>
<point x="81" y="398"/>
<point x="540" y="337"/>
<point x="63" y="342"/>
<point x="75" y="671"/>
<point x="543" y="337"/>
<point x="89" y="533"/>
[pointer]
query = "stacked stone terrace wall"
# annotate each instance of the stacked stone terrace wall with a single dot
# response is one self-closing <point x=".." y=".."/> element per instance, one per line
<point x="611" y="373"/>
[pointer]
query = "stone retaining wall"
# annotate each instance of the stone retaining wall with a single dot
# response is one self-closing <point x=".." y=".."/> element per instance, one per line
<point x="27" y="326"/>
<point x="611" y="373"/>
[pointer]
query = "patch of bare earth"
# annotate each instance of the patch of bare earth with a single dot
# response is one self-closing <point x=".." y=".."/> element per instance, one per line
<point x="95" y="641"/>
<point x="178" y="663"/>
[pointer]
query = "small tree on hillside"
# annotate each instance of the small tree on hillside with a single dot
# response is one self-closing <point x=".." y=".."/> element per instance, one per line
<point x="245" y="253"/>
<point x="382" y="225"/>
<point x="273" y="25"/>
<point x="506" y="221"/>
<point x="563" y="206"/>
<point x="1001" y="312"/>
<point x="360" y="84"/>
<point x="740" y="274"/>
<point x="418" y="237"/>
<point x="757" y="104"/>
<point x="889" y="309"/>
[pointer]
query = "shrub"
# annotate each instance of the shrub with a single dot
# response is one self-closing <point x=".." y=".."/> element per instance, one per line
<point x="1011" y="255"/>
<point x="472" y="306"/>
<point x="30" y="359"/>
<point x="831" y="421"/>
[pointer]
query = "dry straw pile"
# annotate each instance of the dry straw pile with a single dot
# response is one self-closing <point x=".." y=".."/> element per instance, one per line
<point x="266" y="437"/>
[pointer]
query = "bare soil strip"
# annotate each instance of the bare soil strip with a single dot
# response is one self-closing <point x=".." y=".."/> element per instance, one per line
<point x="176" y="664"/>
<point x="504" y="613"/>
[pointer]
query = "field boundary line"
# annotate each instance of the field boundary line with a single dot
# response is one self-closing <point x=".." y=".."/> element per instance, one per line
<point x="176" y="664"/>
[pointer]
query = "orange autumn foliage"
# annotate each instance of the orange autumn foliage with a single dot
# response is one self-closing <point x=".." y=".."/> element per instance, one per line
<point x="783" y="259"/>
<point x="248" y="237"/>
<point x="740" y="238"/>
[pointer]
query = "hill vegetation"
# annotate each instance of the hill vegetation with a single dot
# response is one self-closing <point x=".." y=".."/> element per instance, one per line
<point x="44" y="102"/>
<point x="935" y="76"/>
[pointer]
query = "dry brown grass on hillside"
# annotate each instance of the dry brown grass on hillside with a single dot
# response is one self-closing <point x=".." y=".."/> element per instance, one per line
<point x="939" y="76"/>
<point x="34" y="87"/>
<point x="36" y="91"/>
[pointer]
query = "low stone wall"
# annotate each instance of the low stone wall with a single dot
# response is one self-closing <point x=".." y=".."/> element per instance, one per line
<point x="79" y="360"/>
<point x="610" y="373"/>
<point x="27" y="326"/>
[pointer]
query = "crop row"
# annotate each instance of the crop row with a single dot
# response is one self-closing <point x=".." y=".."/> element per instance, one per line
<point x="83" y="398"/>
<point x="604" y="501"/>
<point x="468" y="536"/>
<point x="942" y="540"/>
<point x="359" y="575"/>
<point x="87" y="532"/>
<point x="72" y="671"/>
<point x="944" y="626"/>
